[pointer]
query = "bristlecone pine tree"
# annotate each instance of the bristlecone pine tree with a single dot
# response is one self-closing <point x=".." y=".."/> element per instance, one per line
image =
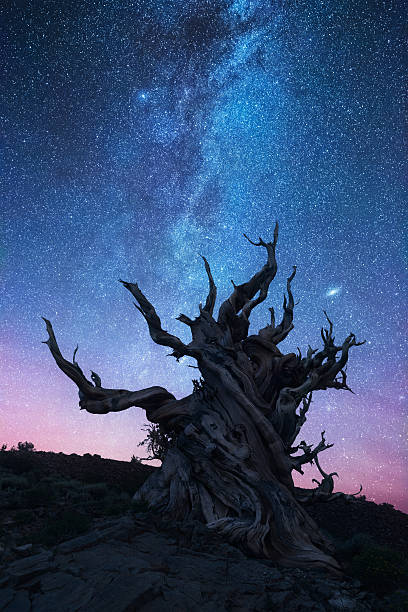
<point x="231" y="462"/>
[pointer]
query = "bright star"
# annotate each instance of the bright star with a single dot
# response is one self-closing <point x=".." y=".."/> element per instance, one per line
<point x="332" y="292"/>
<point x="143" y="96"/>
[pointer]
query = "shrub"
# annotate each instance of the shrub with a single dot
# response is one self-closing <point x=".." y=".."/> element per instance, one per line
<point x="25" y="447"/>
<point x="157" y="441"/>
<point x="68" y="524"/>
<point x="40" y="495"/>
<point x="24" y="517"/>
<point x="89" y="476"/>
<point x="380" y="569"/>
<point x="116" y="505"/>
<point x="17" y="461"/>
<point x="98" y="490"/>
<point x="67" y="485"/>
<point x="387" y="505"/>
<point x="397" y="602"/>
<point x="11" y="481"/>
<point x="347" y="549"/>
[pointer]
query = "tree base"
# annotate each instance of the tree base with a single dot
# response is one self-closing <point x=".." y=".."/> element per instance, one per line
<point x="270" y="523"/>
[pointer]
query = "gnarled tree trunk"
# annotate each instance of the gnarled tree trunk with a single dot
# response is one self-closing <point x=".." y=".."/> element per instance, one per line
<point x="232" y="461"/>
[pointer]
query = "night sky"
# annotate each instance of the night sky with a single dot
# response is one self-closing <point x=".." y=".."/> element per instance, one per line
<point x="136" y="135"/>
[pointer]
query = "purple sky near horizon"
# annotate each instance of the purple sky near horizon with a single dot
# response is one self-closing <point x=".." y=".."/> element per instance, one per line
<point x="137" y="135"/>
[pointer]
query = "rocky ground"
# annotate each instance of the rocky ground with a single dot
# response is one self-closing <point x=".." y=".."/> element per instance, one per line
<point x="137" y="562"/>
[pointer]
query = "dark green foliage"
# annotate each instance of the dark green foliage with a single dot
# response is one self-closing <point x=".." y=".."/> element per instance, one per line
<point x="65" y="488"/>
<point x="68" y="524"/>
<point x="380" y="569"/>
<point x="89" y="476"/>
<point x="387" y="505"/>
<point x="25" y="447"/>
<point x="24" y="517"/>
<point x="397" y="602"/>
<point x="98" y="490"/>
<point x="116" y="504"/>
<point x="157" y="442"/>
<point x="47" y="506"/>
<point x="42" y="494"/>
<point x="347" y="549"/>
<point x="13" y="482"/>
<point x="19" y="460"/>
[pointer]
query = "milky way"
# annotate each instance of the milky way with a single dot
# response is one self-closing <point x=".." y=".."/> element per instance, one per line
<point x="138" y="135"/>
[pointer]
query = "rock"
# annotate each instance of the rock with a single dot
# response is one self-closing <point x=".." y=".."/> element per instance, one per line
<point x="4" y="580"/>
<point x="126" y="593"/>
<point x="319" y="607"/>
<point x="57" y="580"/>
<point x="341" y="602"/>
<point x="29" y="566"/>
<point x="80" y="542"/>
<point x="23" y="548"/>
<point x="324" y="590"/>
<point x="6" y="596"/>
<point x="282" y="585"/>
<point x="123" y="529"/>
<point x="178" y="602"/>
<point x="71" y="596"/>
<point x="150" y="568"/>
<point x="20" y="603"/>
<point x="279" y="598"/>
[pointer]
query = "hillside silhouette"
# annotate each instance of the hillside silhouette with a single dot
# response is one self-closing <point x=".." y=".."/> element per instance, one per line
<point x="50" y="499"/>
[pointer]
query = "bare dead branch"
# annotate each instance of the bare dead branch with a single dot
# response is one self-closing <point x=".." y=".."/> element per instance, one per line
<point x="326" y="486"/>
<point x="96" y="379"/>
<point x="325" y="363"/>
<point x="301" y="418"/>
<point x="185" y="319"/>
<point x="279" y="333"/>
<point x="243" y="294"/>
<point x="308" y="454"/>
<point x="96" y="399"/>
<point x="212" y="293"/>
<point x="72" y="370"/>
<point x="322" y="472"/>
<point x="271" y="310"/>
<point x="158" y="335"/>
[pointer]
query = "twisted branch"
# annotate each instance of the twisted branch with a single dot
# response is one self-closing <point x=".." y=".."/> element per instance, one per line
<point x="212" y="293"/>
<point x="324" y="363"/>
<point x="157" y="333"/>
<point x="308" y="454"/>
<point x="98" y="400"/>
<point x="279" y="333"/>
<point x="242" y="296"/>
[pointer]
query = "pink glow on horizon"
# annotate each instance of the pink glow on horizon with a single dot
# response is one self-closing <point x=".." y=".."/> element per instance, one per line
<point x="48" y="415"/>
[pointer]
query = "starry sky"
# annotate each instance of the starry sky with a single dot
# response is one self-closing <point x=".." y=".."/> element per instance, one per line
<point x="138" y="134"/>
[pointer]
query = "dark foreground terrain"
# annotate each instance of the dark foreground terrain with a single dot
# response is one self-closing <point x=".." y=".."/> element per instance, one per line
<point x="70" y="540"/>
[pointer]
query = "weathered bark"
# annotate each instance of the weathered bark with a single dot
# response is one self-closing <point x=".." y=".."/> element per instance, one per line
<point x="231" y="465"/>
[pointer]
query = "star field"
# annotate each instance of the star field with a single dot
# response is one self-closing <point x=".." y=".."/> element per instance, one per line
<point x="138" y="135"/>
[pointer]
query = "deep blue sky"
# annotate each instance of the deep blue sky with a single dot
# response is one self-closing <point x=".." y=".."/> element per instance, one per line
<point x="136" y="135"/>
